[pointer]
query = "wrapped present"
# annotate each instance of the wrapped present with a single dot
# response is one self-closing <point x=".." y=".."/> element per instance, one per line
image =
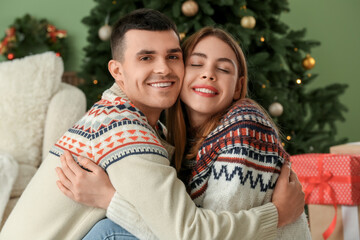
<point x="349" y="148"/>
<point x="328" y="179"/>
<point x="347" y="225"/>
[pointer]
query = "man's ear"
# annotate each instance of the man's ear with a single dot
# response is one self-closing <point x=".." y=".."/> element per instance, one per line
<point x="238" y="88"/>
<point x="115" y="69"/>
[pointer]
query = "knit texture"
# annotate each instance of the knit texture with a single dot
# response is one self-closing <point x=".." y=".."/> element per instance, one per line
<point x="238" y="165"/>
<point x="111" y="130"/>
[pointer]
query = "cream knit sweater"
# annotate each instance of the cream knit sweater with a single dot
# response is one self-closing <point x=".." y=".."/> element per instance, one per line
<point x="118" y="137"/>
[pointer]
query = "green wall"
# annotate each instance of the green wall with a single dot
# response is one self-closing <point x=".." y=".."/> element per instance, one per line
<point x="331" y="22"/>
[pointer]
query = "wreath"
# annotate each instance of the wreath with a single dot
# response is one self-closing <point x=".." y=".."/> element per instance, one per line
<point x="27" y="36"/>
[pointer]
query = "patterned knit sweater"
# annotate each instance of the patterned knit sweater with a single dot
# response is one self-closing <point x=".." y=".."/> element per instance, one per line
<point x="238" y="165"/>
<point x="110" y="131"/>
<point x="149" y="195"/>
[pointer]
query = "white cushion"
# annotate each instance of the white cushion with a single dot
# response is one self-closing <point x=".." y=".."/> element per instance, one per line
<point x="26" y="86"/>
<point x="8" y="173"/>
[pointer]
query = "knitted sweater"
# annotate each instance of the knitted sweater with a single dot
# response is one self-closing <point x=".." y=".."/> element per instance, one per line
<point x="238" y="165"/>
<point x="118" y="137"/>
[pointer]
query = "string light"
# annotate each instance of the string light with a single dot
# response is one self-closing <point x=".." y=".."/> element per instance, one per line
<point x="114" y="2"/>
<point x="298" y="81"/>
<point x="262" y="39"/>
<point x="58" y="54"/>
<point x="283" y="144"/>
<point x="95" y="81"/>
<point x="309" y="75"/>
<point x="296" y="49"/>
<point x="263" y="86"/>
<point x="288" y="138"/>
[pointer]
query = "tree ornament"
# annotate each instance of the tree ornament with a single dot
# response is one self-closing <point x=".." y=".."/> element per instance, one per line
<point x="248" y="22"/>
<point x="190" y="8"/>
<point x="105" y="32"/>
<point x="308" y="62"/>
<point x="276" y="109"/>
<point x="182" y="36"/>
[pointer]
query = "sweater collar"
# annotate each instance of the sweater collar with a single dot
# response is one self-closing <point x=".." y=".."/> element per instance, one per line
<point x="113" y="93"/>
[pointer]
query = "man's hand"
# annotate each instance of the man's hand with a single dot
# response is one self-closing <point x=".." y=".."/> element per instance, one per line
<point x="92" y="188"/>
<point x="288" y="196"/>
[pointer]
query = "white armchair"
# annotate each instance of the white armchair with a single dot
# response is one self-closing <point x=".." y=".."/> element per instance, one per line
<point x="36" y="108"/>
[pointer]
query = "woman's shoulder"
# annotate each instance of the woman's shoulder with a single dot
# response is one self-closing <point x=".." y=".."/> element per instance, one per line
<point x="246" y="110"/>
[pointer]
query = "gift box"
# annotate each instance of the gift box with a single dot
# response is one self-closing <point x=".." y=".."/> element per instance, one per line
<point x="347" y="223"/>
<point x="329" y="180"/>
<point x="349" y="148"/>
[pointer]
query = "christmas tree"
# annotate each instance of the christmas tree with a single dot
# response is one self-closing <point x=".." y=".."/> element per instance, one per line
<point x="278" y="58"/>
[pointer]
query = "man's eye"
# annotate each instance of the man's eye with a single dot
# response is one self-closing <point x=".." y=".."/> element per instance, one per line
<point x="146" y="58"/>
<point x="195" y="65"/>
<point x="174" y="57"/>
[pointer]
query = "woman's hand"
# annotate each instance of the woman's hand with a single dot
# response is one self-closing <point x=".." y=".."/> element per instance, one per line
<point x="91" y="188"/>
<point x="288" y="196"/>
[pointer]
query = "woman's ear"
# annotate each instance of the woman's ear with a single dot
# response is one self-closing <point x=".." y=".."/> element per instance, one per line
<point x="115" y="69"/>
<point x="238" y="88"/>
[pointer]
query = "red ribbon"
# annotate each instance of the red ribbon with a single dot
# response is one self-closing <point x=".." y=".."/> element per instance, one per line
<point x="53" y="33"/>
<point x="10" y="36"/>
<point x="322" y="182"/>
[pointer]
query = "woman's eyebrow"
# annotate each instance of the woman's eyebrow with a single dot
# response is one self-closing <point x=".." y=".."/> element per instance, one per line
<point x="198" y="54"/>
<point x="227" y="60"/>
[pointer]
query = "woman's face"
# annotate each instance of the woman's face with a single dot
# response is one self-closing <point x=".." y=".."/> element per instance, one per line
<point x="211" y="79"/>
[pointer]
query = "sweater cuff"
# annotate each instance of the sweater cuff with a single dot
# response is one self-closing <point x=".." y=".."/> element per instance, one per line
<point x="269" y="221"/>
<point x="124" y="214"/>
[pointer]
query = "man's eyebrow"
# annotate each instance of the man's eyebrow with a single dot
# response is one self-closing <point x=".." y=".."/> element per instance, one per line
<point x="146" y="52"/>
<point x="174" y="50"/>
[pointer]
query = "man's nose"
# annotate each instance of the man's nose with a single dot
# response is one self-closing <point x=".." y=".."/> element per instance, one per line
<point x="162" y="67"/>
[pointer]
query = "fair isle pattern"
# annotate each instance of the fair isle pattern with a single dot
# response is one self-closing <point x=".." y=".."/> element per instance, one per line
<point x="112" y="129"/>
<point x="246" y="150"/>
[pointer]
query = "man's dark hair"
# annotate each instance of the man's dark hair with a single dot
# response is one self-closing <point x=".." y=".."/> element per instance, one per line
<point x="140" y="19"/>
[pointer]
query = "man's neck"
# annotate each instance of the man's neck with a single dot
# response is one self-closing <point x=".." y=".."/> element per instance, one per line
<point x="152" y="117"/>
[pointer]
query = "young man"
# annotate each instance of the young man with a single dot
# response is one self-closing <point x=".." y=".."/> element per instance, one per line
<point x="121" y="134"/>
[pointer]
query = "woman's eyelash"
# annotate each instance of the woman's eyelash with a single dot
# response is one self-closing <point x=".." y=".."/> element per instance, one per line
<point x="223" y="70"/>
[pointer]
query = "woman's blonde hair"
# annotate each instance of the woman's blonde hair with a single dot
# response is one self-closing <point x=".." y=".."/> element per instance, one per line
<point x="175" y="115"/>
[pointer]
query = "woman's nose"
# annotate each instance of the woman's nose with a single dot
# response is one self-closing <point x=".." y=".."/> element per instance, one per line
<point x="208" y="76"/>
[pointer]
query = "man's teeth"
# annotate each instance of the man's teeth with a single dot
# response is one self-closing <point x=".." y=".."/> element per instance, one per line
<point x="160" y="85"/>
<point x="204" y="90"/>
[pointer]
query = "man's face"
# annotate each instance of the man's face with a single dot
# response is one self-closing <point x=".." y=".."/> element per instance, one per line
<point x="152" y="69"/>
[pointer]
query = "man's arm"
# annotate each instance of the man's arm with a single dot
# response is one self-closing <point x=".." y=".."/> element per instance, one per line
<point x="43" y="212"/>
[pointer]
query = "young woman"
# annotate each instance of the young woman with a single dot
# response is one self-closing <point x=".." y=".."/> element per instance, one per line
<point x="233" y="152"/>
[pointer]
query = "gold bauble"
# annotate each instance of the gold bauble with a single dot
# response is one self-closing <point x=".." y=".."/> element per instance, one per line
<point x="276" y="109"/>
<point x="190" y="8"/>
<point x="308" y="62"/>
<point x="248" y="22"/>
<point x="182" y="36"/>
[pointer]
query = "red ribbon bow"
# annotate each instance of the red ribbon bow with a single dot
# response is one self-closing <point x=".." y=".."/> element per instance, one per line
<point x="322" y="182"/>
<point x="10" y="36"/>
<point x="54" y="33"/>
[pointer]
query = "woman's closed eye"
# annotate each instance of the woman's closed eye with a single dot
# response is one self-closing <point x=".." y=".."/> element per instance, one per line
<point x="224" y="70"/>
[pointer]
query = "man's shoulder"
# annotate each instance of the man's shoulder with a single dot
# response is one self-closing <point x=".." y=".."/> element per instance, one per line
<point x="116" y="113"/>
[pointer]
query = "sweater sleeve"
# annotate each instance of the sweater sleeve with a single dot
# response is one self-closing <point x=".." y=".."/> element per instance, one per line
<point x="152" y="188"/>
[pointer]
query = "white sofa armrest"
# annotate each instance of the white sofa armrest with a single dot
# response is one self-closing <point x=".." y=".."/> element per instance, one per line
<point x="66" y="107"/>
